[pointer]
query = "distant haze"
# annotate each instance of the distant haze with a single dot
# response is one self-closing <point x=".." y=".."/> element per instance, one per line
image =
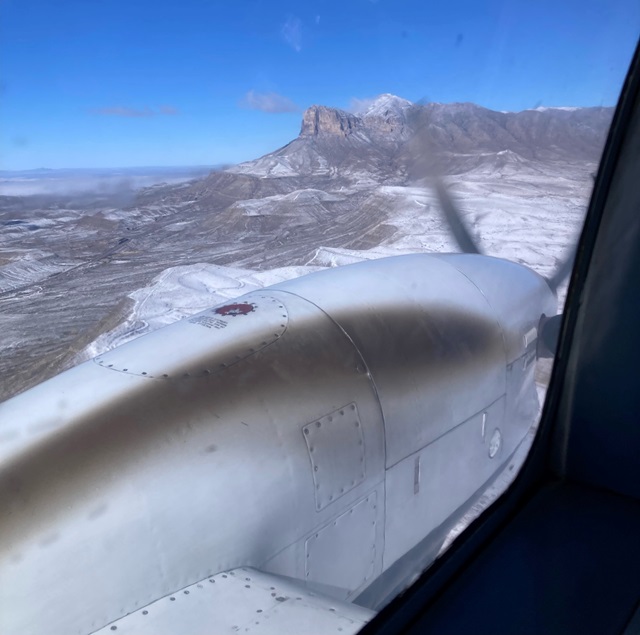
<point x="45" y="182"/>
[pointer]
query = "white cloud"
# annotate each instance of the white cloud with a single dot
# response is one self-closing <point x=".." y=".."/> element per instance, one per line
<point x="292" y="33"/>
<point x="357" y="105"/>
<point x="268" y="102"/>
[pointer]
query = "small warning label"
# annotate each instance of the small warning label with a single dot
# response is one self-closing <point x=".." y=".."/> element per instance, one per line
<point x="209" y="322"/>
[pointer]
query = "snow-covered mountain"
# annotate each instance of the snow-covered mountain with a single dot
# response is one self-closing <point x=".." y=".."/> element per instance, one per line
<point x="386" y="105"/>
<point x="383" y="140"/>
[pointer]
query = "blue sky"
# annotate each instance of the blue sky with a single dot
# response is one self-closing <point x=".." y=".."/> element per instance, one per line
<point x="116" y="83"/>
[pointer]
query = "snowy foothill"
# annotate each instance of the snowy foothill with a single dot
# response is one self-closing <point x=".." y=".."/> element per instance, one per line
<point x="179" y="292"/>
<point x="533" y="220"/>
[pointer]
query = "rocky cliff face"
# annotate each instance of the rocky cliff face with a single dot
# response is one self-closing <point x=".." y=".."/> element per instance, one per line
<point x="320" y="120"/>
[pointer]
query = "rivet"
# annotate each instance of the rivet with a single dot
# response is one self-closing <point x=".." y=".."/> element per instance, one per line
<point x="211" y="580"/>
<point x="318" y="424"/>
<point x="247" y="586"/>
<point x="315" y="468"/>
<point x="165" y="375"/>
<point x="357" y="424"/>
<point x="186" y="592"/>
<point x="145" y="612"/>
<point x="144" y="373"/>
<point x="306" y="431"/>
<point x="172" y="599"/>
<point x="125" y="369"/>
<point x="114" y="628"/>
<point x="259" y="611"/>
<point x="353" y="406"/>
<point x="342" y="412"/>
<point x="110" y="366"/>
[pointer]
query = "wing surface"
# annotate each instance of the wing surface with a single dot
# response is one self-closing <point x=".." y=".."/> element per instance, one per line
<point x="243" y="601"/>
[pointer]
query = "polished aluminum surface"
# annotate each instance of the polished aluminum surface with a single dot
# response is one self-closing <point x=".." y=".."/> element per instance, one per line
<point x="243" y="601"/>
<point x="318" y="430"/>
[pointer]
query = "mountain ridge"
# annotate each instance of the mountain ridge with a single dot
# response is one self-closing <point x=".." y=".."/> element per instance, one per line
<point x="334" y="142"/>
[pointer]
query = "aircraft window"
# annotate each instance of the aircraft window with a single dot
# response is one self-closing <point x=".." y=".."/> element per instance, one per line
<point x="357" y="229"/>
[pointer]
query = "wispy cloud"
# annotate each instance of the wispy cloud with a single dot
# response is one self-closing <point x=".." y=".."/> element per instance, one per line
<point x="123" y="111"/>
<point x="268" y="102"/>
<point x="292" y="33"/>
<point x="357" y="105"/>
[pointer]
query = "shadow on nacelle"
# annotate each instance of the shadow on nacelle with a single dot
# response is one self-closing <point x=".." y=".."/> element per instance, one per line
<point x="324" y="432"/>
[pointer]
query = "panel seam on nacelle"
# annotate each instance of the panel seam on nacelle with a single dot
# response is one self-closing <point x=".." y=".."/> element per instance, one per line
<point x="449" y="431"/>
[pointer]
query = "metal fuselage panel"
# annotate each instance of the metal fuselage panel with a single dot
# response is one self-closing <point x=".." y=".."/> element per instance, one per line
<point x="449" y="341"/>
<point x="310" y="430"/>
<point x="430" y="339"/>
<point x="141" y="486"/>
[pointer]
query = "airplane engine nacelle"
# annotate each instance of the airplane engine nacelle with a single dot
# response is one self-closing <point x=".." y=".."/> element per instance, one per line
<point x="319" y="429"/>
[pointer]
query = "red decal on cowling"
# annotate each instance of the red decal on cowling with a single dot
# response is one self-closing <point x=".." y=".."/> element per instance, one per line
<point x="239" y="308"/>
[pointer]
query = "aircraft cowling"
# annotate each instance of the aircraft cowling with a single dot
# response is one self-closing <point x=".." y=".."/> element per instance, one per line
<point x="278" y="431"/>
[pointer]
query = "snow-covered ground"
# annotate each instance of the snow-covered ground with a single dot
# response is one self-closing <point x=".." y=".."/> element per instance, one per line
<point x="532" y="219"/>
<point x="179" y="292"/>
